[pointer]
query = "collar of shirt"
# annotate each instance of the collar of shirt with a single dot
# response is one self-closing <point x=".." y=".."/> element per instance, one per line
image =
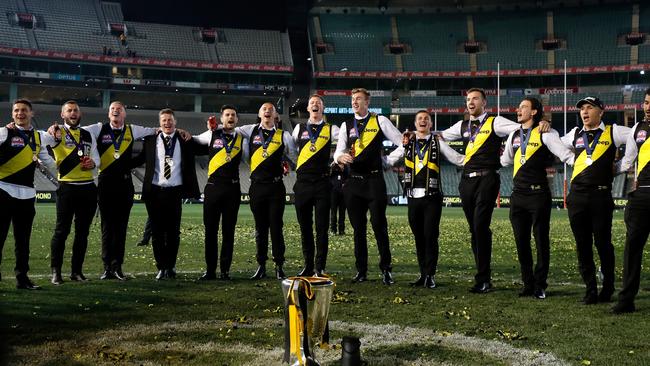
<point x="601" y="126"/>
<point x="315" y="123"/>
<point x="356" y="116"/>
<point x="479" y="118"/>
<point x="116" y="128"/>
<point x="70" y="127"/>
<point x="31" y="128"/>
<point x="267" y="129"/>
<point x="166" y="135"/>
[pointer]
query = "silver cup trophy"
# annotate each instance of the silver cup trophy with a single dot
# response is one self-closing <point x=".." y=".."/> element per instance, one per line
<point x="306" y="307"/>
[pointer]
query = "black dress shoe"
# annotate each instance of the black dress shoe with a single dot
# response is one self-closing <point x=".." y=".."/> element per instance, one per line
<point x="171" y="273"/>
<point x="623" y="307"/>
<point x="161" y="275"/>
<point x="208" y="276"/>
<point x="481" y="288"/>
<point x="590" y="298"/>
<point x="107" y="275"/>
<point x="418" y="282"/>
<point x="360" y="277"/>
<point x="605" y="294"/>
<point x="225" y="276"/>
<point x="118" y="274"/>
<point x="24" y="283"/>
<point x="306" y="272"/>
<point x="387" y="278"/>
<point x="429" y="282"/>
<point x="539" y="293"/>
<point x="526" y="291"/>
<point x="56" y="276"/>
<point x="260" y="273"/>
<point x="78" y="277"/>
<point x="279" y="273"/>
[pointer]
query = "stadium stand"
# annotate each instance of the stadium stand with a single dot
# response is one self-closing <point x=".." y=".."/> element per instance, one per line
<point x="166" y="42"/>
<point x="11" y="36"/>
<point x="344" y="101"/>
<point x="264" y="47"/>
<point x="358" y="42"/>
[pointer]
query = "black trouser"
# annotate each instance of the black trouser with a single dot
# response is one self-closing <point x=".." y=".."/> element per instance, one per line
<point x="115" y="202"/>
<point x="80" y="202"/>
<point x="590" y="215"/>
<point x="312" y="198"/>
<point x="532" y="210"/>
<point x="21" y="214"/>
<point x="164" y="206"/>
<point x="221" y="200"/>
<point x="267" y="204"/>
<point x="337" y="210"/>
<point x="637" y="213"/>
<point x="146" y="234"/>
<point x="424" y="219"/>
<point x="478" y="196"/>
<point x="363" y="195"/>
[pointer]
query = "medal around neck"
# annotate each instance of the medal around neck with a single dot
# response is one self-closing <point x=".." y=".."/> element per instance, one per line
<point x="116" y="155"/>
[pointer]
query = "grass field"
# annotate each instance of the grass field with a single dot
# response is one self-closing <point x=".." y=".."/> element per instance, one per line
<point x="144" y="322"/>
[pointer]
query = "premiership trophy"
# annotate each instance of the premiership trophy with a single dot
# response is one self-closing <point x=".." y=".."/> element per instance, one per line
<point x="306" y="307"/>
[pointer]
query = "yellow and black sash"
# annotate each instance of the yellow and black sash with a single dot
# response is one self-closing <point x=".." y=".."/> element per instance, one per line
<point x="323" y="140"/>
<point x="642" y="138"/>
<point x="17" y="162"/>
<point x="481" y="138"/>
<point x="368" y="134"/>
<point x="220" y="158"/>
<point x="605" y="143"/>
<point x="67" y="158"/>
<point x="257" y="157"/>
<point x="107" y="148"/>
<point x="534" y="144"/>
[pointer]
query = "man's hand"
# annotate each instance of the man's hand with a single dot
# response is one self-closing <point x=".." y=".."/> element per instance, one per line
<point x="186" y="136"/>
<point x="285" y="168"/>
<point x="212" y="123"/>
<point x="345" y="159"/>
<point x="11" y="125"/>
<point x="55" y="131"/>
<point x="86" y="163"/>
<point x="407" y="136"/>
<point x="544" y="126"/>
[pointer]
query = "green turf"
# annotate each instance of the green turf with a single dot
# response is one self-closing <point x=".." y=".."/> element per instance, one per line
<point x="145" y="321"/>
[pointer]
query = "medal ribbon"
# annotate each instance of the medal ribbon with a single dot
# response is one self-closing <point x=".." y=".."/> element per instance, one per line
<point x="117" y="142"/>
<point x="79" y="145"/>
<point x="265" y="141"/>
<point x="472" y="135"/>
<point x="314" y="136"/>
<point x="227" y="146"/>
<point x="360" y="130"/>
<point x="169" y="148"/>
<point x="589" y="148"/>
<point x="524" y="140"/>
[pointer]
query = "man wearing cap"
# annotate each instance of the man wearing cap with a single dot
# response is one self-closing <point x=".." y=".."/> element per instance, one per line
<point x="267" y="143"/>
<point x="590" y="204"/>
<point x="313" y="141"/>
<point x="482" y="135"/>
<point x="360" y="146"/>
<point x="530" y="202"/>
<point x="637" y="210"/>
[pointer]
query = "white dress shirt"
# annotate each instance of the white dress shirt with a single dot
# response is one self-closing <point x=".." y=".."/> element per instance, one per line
<point x="176" y="178"/>
<point x="501" y="126"/>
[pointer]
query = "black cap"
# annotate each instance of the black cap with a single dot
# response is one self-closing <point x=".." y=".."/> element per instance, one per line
<point x="591" y="100"/>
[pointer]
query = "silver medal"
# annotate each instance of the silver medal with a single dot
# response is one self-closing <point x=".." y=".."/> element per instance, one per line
<point x="35" y="157"/>
<point x="265" y="154"/>
<point x="116" y="155"/>
<point x="80" y="153"/>
<point x="420" y="165"/>
<point x="312" y="148"/>
<point x="588" y="161"/>
<point x="228" y="158"/>
<point x="522" y="160"/>
<point x="169" y="161"/>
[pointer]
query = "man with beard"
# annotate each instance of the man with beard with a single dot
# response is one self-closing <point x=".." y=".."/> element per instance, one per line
<point x="423" y="188"/>
<point x="21" y="148"/>
<point x="479" y="185"/>
<point x="76" y="157"/>
<point x="589" y="203"/>
<point x="312" y="189"/>
<point x="222" y="193"/>
<point x="360" y="146"/>
<point x="530" y="202"/>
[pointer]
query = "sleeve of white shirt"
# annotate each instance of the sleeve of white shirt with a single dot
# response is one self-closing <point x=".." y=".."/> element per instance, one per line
<point x="290" y="148"/>
<point x="94" y="129"/>
<point x="3" y="134"/>
<point x="567" y="139"/>
<point x="246" y="130"/>
<point x="245" y="151"/>
<point x="503" y="126"/>
<point x="454" y="132"/>
<point x="508" y="156"/>
<point x="48" y="140"/>
<point x="631" y="153"/>
<point x="204" y="138"/>
<point x="335" y="133"/>
<point x="620" y="134"/>
<point x="390" y="131"/>
<point x="294" y="134"/>
<point x="140" y="132"/>
<point x="451" y="155"/>
<point x="46" y="159"/>
<point x="341" y="143"/>
<point x="395" y="156"/>
<point x="552" y="140"/>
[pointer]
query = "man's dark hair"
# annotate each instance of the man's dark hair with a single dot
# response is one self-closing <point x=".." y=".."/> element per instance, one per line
<point x="24" y="101"/>
<point x="228" y="106"/>
<point x="470" y="90"/>
<point x="167" y="111"/>
<point x="422" y="111"/>
<point x="536" y="105"/>
<point x="647" y="91"/>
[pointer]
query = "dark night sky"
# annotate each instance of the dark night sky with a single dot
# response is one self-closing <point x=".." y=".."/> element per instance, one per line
<point x="209" y="13"/>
